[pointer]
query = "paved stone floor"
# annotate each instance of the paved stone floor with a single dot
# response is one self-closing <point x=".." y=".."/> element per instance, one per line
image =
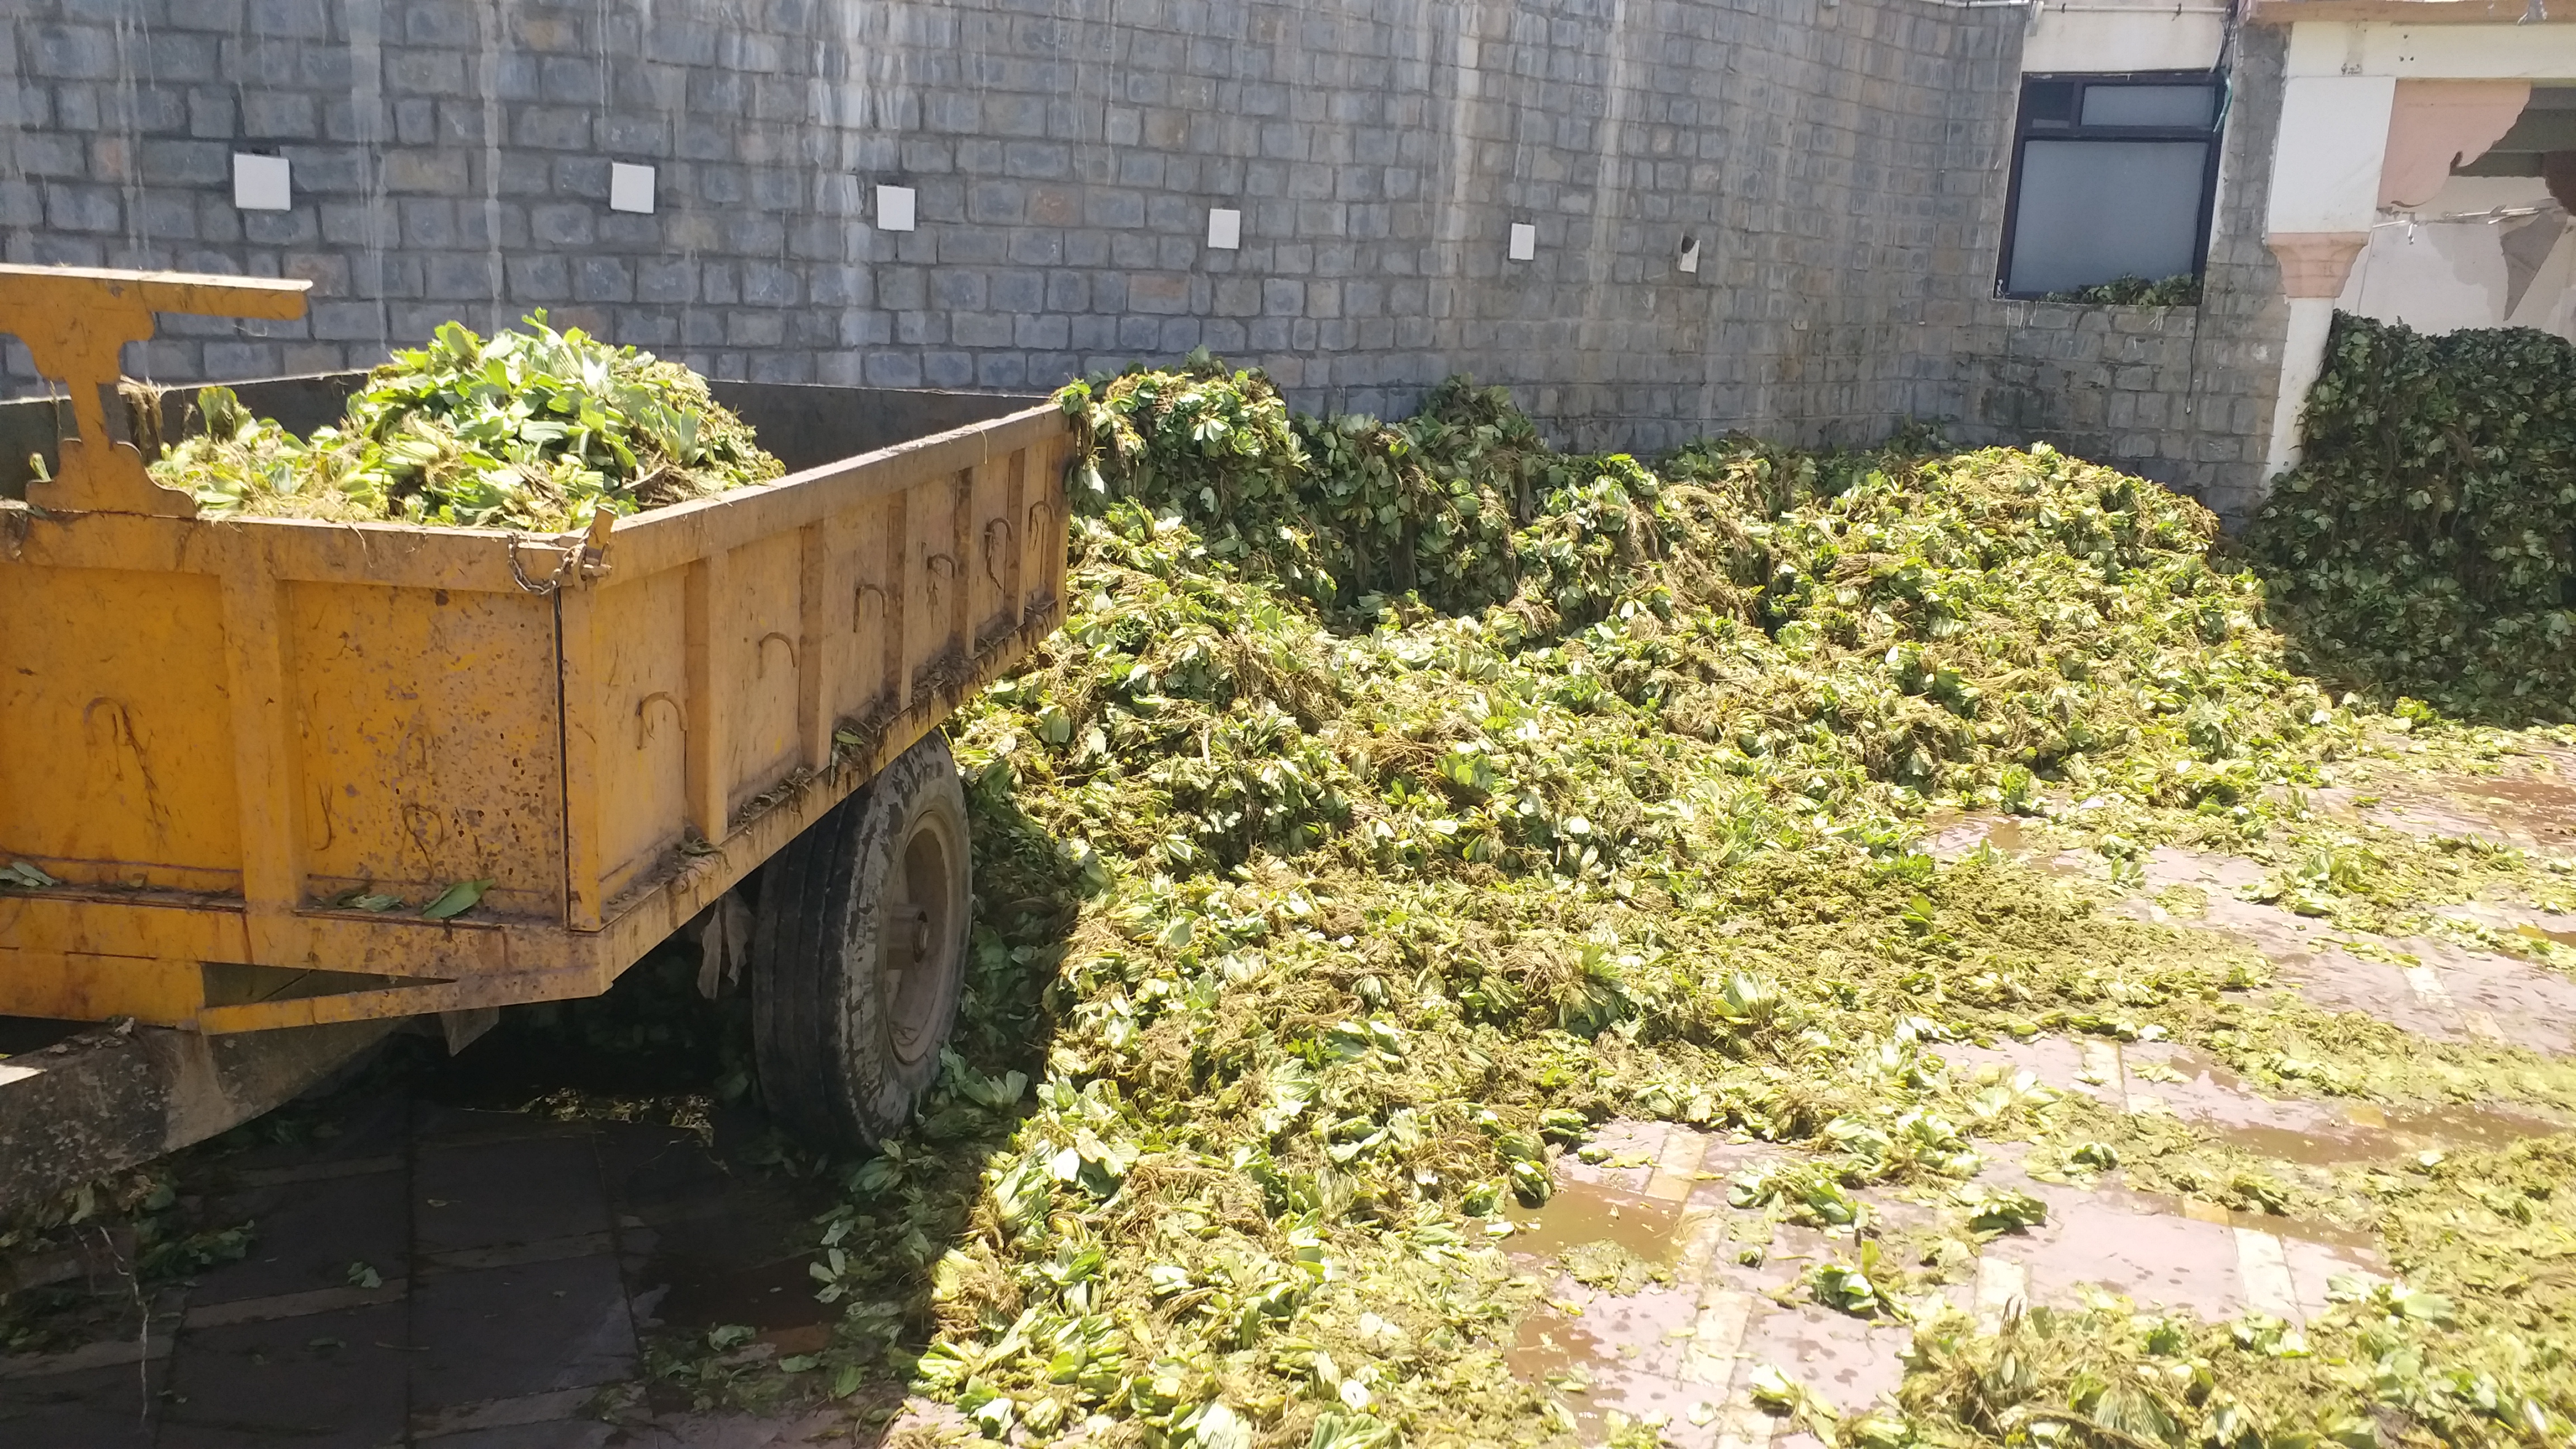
<point x="449" y="1279"/>
<point x="457" y="1279"/>
<point x="1682" y="1354"/>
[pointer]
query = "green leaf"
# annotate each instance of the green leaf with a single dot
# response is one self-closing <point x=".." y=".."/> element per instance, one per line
<point x="456" y="899"/>
<point x="25" y="876"/>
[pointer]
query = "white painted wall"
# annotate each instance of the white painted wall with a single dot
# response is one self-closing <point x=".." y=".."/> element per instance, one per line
<point x="2441" y="276"/>
<point x="2433" y="52"/>
<point x="2082" y="39"/>
<point x="2342" y="79"/>
<point x="2550" y="305"/>
<point x="2325" y="168"/>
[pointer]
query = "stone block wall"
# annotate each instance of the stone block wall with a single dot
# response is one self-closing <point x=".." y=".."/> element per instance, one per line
<point x="1841" y="164"/>
<point x="2182" y="395"/>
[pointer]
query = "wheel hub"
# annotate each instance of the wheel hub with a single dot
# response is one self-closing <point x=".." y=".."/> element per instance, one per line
<point x="920" y="922"/>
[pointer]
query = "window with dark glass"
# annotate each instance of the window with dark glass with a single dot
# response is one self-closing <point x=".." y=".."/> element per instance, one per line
<point x="2112" y="179"/>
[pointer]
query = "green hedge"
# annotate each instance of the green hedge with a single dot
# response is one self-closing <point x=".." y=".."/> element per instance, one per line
<point x="2427" y="544"/>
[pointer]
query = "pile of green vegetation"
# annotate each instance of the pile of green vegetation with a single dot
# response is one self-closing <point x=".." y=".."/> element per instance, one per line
<point x="1402" y="800"/>
<point x="2426" y="544"/>
<point x="2175" y="291"/>
<point x="530" y="429"/>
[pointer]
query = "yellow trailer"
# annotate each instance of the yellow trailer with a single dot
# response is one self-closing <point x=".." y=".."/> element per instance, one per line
<point x="219" y="737"/>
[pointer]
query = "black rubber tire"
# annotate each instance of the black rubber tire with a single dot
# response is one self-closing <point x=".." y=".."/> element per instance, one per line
<point x="860" y="953"/>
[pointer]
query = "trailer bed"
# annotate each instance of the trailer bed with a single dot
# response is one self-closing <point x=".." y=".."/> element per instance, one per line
<point x="225" y="726"/>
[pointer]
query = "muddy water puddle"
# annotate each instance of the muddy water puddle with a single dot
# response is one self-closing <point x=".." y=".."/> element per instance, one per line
<point x="2517" y="810"/>
<point x="2338" y="1134"/>
<point x="2306" y="1131"/>
<point x="1639" y="1354"/>
<point x="2371" y="1136"/>
<point x="2173" y="865"/>
<point x="1607" y="1353"/>
<point x="2545" y="810"/>
<point x="1554" y="1347"/>
<point x="1949" y="836"/>
<point x="1591" y="1212"/>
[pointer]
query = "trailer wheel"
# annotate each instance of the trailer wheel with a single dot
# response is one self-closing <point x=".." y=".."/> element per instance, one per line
<point x="859" y="953"/>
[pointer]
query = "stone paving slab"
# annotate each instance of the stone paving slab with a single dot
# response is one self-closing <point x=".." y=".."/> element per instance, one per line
<point x="477" y="1194"/>
<point x="325" y="1379"/>
<point x="516" y="1258"/>
<point x="559" y="1434"/>
<point x="363" y="1134"/>
<point x="500" y="1333"/>
<point x="100" y="1407"/>
<point x="309" y="1233"/>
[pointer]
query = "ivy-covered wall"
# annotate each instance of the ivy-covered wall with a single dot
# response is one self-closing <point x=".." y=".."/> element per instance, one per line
<point x="2426" y="545"/>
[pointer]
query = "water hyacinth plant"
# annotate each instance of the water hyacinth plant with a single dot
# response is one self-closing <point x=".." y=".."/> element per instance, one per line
<point x="529" y="429"/>
<point x="1403" y="800"/>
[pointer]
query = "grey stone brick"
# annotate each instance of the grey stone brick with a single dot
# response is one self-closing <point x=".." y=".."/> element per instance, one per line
<point x="627" y="231"/>
<point x="1017" y="291"/>
<point x="345" y="321"/>
<point x="540" y="278"/>
<point x="889" y="368"/>
<point x="82" y="208"/>
<point x="754" y="234"/>
<point x="429" y="223"/>
<point x="72" y="52"/>
<point x="767" y="284"/>
<point x="565" y="224"/>
<point x="980" y="329"/>
<point x="1036" y="160"/>
<point x="297" y="228"/>
<point x="50" y="155"/>
<point x="22" y="204"/>
<point x="243" y="359"/>
<point x="413" y="71"/>
<point x="551" y="128"/>
<point x="438" y="173"/>
<point x="666" y="280"/>
<point x="602" y="279"/>
<point x="176" y="163"/>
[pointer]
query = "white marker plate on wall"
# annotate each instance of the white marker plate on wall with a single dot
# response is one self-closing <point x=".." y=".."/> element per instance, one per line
<point x="630" y="188"/>
<point x="895" y="208"/>
<point x="1225" y="229"/>
<point x="262" y="183"/>
<point x="1524" y="241"/>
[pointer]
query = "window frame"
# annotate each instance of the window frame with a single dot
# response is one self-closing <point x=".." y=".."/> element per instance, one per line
<point x="2210" y="136"/>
